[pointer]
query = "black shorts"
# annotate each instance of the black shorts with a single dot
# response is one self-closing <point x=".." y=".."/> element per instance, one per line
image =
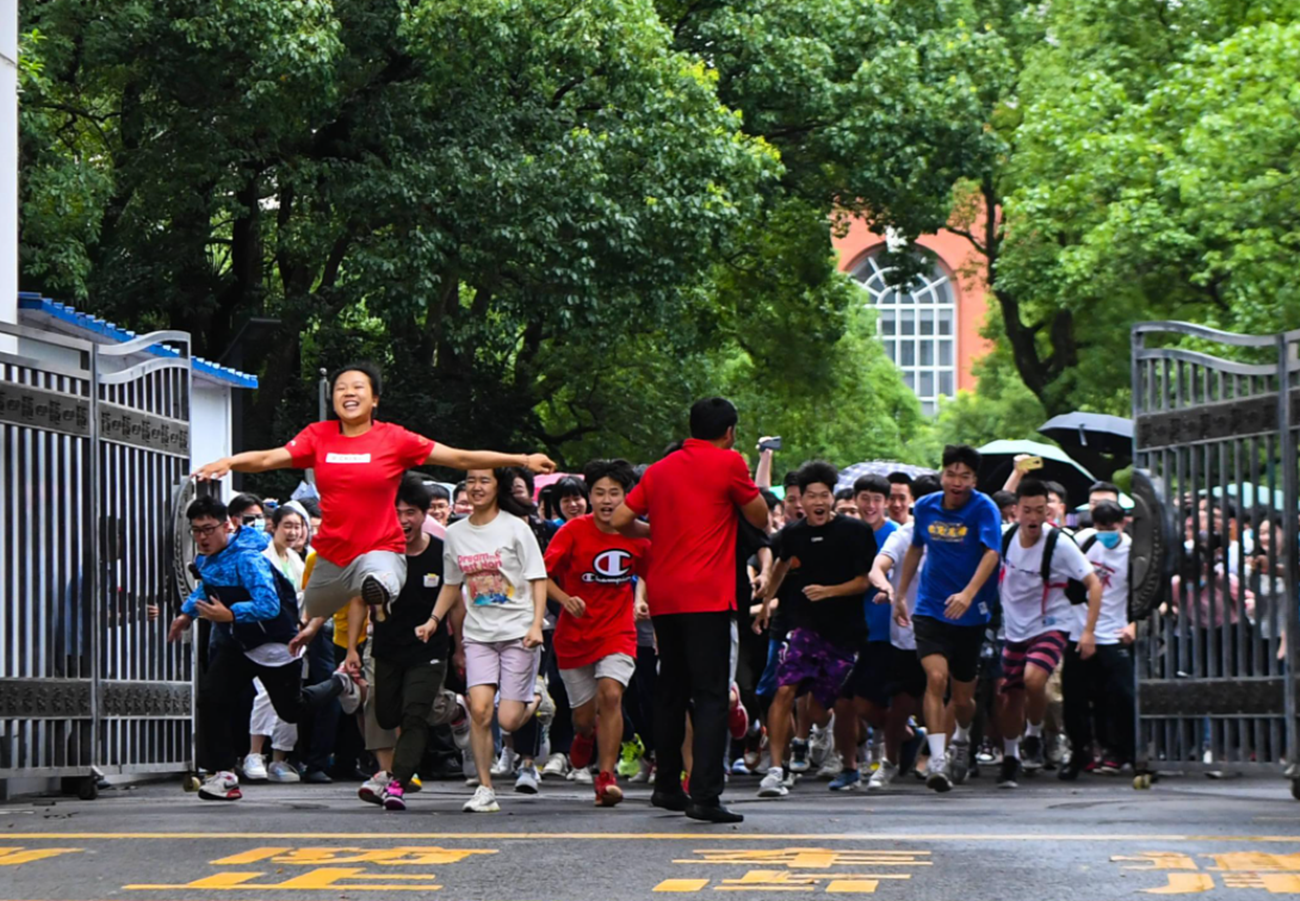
<point x="907" y="676"/>
<point x="960" y="645"/>
<point x="872" y="674"/>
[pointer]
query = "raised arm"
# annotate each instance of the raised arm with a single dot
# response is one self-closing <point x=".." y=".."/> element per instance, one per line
<point x="248" y="461"/>
<point x="455" y="458"/>
<point x="763" y="472"/>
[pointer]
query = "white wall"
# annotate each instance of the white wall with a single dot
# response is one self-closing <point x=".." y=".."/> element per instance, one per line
<point x="209" y="424"/>
<point x="8" y="166"/>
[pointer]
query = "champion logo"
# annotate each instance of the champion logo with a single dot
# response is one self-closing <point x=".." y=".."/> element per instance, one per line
<point x="347" y="458"/>
<point x="611" y="567"/>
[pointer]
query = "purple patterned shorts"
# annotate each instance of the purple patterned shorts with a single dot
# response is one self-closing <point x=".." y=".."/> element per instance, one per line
<point x="814" y="665"/>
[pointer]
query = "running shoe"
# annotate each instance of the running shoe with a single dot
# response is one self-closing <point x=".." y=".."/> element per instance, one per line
<point x="959" y="760"/>
<point x="1110" y="766"/>
<point x="394" y="796"/>
<point x="484" y="801"/>
<point x="376" y="597"/>
<point x="738" y="768"/>
<point x="528" y="780"/>
<point x="773" y="784"/>
<point x="607" y="791"/>
<point x="556" y="767"/>
<point x="799" y="757"/>
<point x="581" y="750"/>
<point x="254" y="767"/>
<point x="883" y="776"/>
<point x="644" y="773"/>
<point x="506" y="763"/>
<point x="223" y="786"/>
<point x="350" y="696"/>
<point x="738" y="719"/>
<point x="832" y="767"/>
<point x="372" y="790"/>
<point x="938" y="779"/>
<point x="1010" y="773"/>
<point x="581" y="775"/>
<point x="847" y="781"/>
<point x="629" y="763"/>
<point x="821" y="743"/>
<point x="282" y="772"/>
<point x="1031" y="753"/>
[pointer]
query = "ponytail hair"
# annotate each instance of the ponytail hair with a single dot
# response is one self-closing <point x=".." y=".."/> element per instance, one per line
<point x="506" y="499"/>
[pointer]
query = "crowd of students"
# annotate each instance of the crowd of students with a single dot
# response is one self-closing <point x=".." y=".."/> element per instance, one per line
<point x="678" y="624"/>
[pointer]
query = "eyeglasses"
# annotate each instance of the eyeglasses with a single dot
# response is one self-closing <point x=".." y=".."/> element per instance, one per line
<point x="205" y="531"/>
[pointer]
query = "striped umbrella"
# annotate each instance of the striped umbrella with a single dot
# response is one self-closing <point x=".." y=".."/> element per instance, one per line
<point x="850" y="474"/>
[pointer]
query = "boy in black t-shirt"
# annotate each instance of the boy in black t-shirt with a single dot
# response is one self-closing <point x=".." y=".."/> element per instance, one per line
<point x="829" y="560"/>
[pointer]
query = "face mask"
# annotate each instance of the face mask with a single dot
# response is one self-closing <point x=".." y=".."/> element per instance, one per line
<point x="1110" y="539"/>
<point x="258" y="524"/>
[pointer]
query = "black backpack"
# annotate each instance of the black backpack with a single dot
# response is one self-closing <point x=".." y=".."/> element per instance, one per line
<point x="1075" y="591"/>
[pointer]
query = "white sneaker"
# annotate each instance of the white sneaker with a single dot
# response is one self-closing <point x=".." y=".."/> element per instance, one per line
<point x="773" y="784"/>
<point x="507" y="762"/>
<point x="223" y="786"/>
<point x="642" y="775"/>
<point x="484" y="801"/>
<point x="254" y="767"/>
<point x="350" y="698"/>
<point x="883" y="776"/>
<point x="460" y="726"/>
<point x="556" y="767"/>
<point x="528" y="780"/>
<point x="832" y="767"/>
<point x="282" y="773"/>
<point x="821" y="743"/>
<point x="470" y="771"/>
<point x="581" y="775"/>
<point x="372" y="790"/>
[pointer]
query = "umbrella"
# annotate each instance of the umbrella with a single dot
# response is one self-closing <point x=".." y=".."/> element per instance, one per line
<point x="851" y="474"/>
<point x="999" y="457"/>
<point x="1252" y="495"/>
<point x="1097" y="432"/>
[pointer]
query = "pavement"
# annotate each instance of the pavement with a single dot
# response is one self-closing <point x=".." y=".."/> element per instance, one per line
<point x="1098" y="839"/>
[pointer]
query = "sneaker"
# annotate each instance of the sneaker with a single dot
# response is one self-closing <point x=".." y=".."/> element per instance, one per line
<point x="645" y="769"/>
<point x="376" y="597"/>
<point x="372" y="790"/>
<point x="580" y="751"/>
<point x="607" y="791"/>
<point x="883" y="776"/>
<point x="223" y="786"/>
<point x="528" y="781"/>
<point x="832" y="767"/>
<point x="414" y="784"/>
<point x="507" y="762"/>
<point x="1110" y="767"/>
<point x="959" y="761"/>
<point x="790" y="779"/>
<point x="799" y="757"/>
<point x="581" y="775"/>
<point x="484" y="801"/>
<point x="738" y="768"/>
<point x="254" y="767"/>
<point x="629" y="762"/>
<point x="556" y="767"/>
<point x="820" y="744"/>
<point x="773" y="784"/>
<point x="738" y="721"/>
<point x="460" y="725"/>
<point x="393" y="796"/>
<point x="847" y="781"/>
<point x="282" y="772"/>
<point x="317" y="777"/>
<point x="986" y="754"/>
<point x="938" y="779"/>
<point x="1031" y="753"/>
<point x="350" y="696"/>
<point x="1009" y="773"/>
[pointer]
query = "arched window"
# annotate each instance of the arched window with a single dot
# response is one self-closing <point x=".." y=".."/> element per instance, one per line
<point x="918" y="326"/>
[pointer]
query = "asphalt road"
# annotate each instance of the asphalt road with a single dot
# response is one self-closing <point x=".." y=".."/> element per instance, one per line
<point x="1098" y="840"/>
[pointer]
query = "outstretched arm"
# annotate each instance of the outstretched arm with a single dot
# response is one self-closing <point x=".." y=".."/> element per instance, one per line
<point x="455" y="458"/>
<point x="248" y="461"/>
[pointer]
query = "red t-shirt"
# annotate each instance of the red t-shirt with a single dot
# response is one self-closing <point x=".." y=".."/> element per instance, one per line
<point x="357" y="479"/>
<point x="691" y="497"/>
<point x="599" y="568"/>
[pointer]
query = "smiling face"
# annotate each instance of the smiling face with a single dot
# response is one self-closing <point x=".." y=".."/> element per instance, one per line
<point x="871" y="507"/>
<point x="900" y="502"/>
<point x="818" y="501"/>
<point x="411" y="519"/>
<point x="440" y="510"/>
<point x="572" y="506"/>
<point x="290" y="533"/>
<point x="354" y="397"/>
<point x="606" y="495"/>
<point x="481" y="489"/>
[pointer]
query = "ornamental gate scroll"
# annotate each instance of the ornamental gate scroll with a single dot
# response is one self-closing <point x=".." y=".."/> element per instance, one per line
<point x="1216" y="417"/>
<point x="92" y="449"/>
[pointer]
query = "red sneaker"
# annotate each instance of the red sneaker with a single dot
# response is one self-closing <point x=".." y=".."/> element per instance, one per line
<point x="607" y="791"/>
<point x="738" y="721"/>
<point x="580" y="751"/>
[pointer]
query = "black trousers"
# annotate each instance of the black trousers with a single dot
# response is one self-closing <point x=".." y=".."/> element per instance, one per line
<point x="404" y="697"/>
<point x="229" y="674"/>
<point x="1099" y="699"/>
<point x="694" y="669"/>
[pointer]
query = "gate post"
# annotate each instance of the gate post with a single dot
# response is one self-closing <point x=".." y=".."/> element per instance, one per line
<point x="1290" y="520"/>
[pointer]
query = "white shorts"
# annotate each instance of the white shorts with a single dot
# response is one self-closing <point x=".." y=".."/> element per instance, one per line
<point x="581" y="683"/>
<point x="331" y="587"/>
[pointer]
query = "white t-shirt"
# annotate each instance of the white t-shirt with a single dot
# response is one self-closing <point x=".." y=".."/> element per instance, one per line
<point x="895" y="549"/>
<point x="1028" y="611"/>
<point x="1111" y="566"/>
<point x="494" y="563"/>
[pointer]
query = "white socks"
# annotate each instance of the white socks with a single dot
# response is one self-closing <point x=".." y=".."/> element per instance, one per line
<point x="937" y="743"/>
<point x="961" y="733"/>
<point x="1011" y="747"/>
<point x="1033" y="730"/>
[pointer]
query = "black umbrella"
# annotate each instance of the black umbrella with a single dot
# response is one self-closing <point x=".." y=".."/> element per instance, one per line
<point x="1096" y="432"/>
<point x="998" y="458"/>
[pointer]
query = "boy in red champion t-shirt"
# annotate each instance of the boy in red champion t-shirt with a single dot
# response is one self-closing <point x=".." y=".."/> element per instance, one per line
<point x="594" y="573"/>
<point x="359" y="462"/>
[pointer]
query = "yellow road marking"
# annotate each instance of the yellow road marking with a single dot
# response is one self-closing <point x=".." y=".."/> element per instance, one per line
<point x="657" y="836"/>
<point x="681" y="885"/>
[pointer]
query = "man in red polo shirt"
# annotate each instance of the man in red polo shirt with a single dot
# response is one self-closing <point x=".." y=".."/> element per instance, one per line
<point x="692" y="498"/>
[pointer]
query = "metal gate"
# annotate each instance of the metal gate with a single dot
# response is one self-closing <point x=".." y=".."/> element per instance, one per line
<point x="92" y="450"/>
<point x="1216" y="418"/>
